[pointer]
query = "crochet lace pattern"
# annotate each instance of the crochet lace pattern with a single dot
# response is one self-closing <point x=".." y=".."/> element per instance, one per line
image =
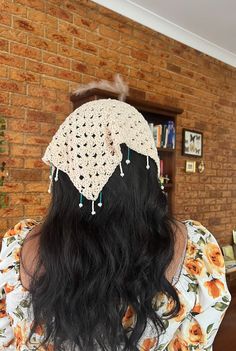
<point x="87" y="144"/>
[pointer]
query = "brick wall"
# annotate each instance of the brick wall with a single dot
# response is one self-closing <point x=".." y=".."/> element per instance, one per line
<point x="48" y="47"/>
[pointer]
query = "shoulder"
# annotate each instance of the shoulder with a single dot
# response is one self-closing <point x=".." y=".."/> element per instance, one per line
<point x="13" y="240"/>
<point x="20" y="228"/>
<point x="203" y="251"/>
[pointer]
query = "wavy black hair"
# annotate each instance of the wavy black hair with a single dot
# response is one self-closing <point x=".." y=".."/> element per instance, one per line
<point x="91" y="268"/>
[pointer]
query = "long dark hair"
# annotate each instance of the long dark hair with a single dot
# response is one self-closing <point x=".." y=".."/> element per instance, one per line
<point x="92" y="268"/>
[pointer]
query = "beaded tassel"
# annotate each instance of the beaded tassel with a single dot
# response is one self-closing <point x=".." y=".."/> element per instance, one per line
<point x="50" y="182"/>
<point x="147" y="166"/>
<point x="100" y="200"/>
<point x="128" y="157"/>
<point x="56" y="177"/>
<point x="81" y="201"/>
<point x="121" y="171"/>
<point x="93" y="210"/>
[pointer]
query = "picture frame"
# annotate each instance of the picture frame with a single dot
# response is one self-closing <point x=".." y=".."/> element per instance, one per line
<point x="192" y="143"/>
<point x="190" y="166"/>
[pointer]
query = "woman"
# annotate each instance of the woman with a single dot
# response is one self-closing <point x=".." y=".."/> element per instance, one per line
<point x="108" y="269"/>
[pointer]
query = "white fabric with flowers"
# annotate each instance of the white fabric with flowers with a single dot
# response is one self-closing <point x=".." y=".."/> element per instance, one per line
<point x="201" y="287"/>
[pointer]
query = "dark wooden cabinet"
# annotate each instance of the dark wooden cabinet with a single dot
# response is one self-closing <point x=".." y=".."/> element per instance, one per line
<point x="154" y="113"/>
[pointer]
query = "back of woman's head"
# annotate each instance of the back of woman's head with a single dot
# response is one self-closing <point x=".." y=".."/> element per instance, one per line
<point x="98" y="267"/>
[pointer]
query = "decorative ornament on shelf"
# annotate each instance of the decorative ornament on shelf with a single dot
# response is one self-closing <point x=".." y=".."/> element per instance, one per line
<point x="201" y="167"/>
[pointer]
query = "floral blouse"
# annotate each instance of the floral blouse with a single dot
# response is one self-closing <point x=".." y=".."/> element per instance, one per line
<point x="201" y="287"/>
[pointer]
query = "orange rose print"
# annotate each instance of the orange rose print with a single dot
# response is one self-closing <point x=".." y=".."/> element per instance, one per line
<point x="10" y="232"/>
<point x="18" y="336"/>
<point x="16" y="254"/>
<point x="148" y="344"/>
<point x="178" y="344"/>
<point x="8" y="288"/>
<point x="197" y="308"/>
<point x="2" y="308"/>
<point x="191" y="249"/>
<point x="194" y="266"/>
<point x="215" y="256"/>
<point x="215" y="287"/>
<point x="128" y="318"/>
<point x="195" y="334"/>
<point x="181" y="313"/>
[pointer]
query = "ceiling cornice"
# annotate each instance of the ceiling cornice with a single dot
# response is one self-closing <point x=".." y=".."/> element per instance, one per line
<point x="151" y="20"/>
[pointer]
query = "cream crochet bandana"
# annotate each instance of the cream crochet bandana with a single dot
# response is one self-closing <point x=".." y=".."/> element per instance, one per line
<point x="87" y="144"/>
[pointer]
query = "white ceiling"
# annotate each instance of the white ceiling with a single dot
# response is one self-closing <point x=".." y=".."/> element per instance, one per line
<point x="206" y="25"/>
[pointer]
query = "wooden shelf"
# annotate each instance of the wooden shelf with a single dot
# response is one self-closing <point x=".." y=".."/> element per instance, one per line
<point x="165" y="149"/>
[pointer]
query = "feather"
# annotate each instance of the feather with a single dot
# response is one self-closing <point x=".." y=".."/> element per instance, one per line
<point x="118" y="86"/>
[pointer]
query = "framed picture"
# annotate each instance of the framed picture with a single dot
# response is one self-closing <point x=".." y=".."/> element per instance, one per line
<point x="192" y="143"/>
<point x="190" y="166"/>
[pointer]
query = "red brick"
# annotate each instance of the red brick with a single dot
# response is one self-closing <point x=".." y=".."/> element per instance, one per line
<point x="45" y="200"/>
<point x="59" y="12"/>
<point x="56" y="60"/>
<point x="22" y="199"/>
<point x="25" y="174"/>
<point x="23" y="126"/>
<point x="3" y="227"/>
<point x="55" y="83"/>
<point x="11" y="60"/>
<point x="4" y="97"/>
<point x="12" y="86"/>
<point x="37" y="140"/>
<point x="42" y="17"/>
<point x="27" y="101"/>
<point x="71" y="30"/>
<point x="58" y="107"/>
<point x="12" y="187"/>
<point x="35" y="163"/>
<point x="38" y="90"/>
<point x="28" y="26"/>
<point x="36" y="4"/>
<point x="83" y="68"/>
<point x="40" y="68"/>
<point x="59" y="37"/>
<point x="12" y="162"/>
<point x="3" y="72"/>
<point x="84" y="22"/>
<point x="70" y="52"/>
<point x="11" y="211"/>
<point x="35" y="210"/>
<point x="4" y="44"/>
<point x="26" y="51"/>
<point x="36" y="187"/>
<point x="25" y="150"/>
<point x="24" y="76"/>
<point x="14" y="137"/>
<point x="84" y="46"/>
<point x="13" y="8"/>
<point x="39" y="116"/>
<point x="109" y="32"/>
<point x="42" y="43"/>
<point x="48" y="129"/>
<point x="69" y="75"/>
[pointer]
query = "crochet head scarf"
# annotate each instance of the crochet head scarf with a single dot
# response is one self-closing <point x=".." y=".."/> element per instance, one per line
<point x="87" y="145"/>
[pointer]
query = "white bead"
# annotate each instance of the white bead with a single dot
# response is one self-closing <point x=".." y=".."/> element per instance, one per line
<point x="93" y="213"/>
<point x="122" y="174"/>
<point x="127" y="162"/>
<point x="148" y="167"/>
<point x="80" y="205"/>
<point x="99" y="204"/>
